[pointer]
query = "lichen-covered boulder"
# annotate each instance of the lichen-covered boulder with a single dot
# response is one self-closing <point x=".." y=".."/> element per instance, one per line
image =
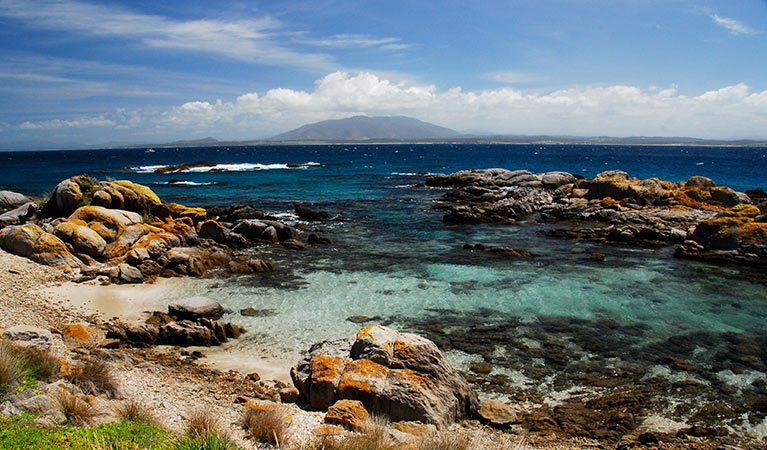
<point x="196" y="214"/>
<point x="81" y="237"/>
<point x="108" y="223"/>
<point x="401" y="376"/>
<point x="32" y="242"/>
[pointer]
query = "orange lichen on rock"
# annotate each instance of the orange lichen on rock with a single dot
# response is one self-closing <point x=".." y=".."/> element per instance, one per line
<point x="408" y="376"/>
<point x="77" y="331"/>
<point x="196" y="214"/>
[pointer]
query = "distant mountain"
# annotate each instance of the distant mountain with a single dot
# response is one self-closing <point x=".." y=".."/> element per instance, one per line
<point x="363" y="128"/>
<point x="194" y="142"/>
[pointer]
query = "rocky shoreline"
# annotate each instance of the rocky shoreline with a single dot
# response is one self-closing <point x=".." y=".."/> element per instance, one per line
<point x="705" y="221"/>
<point x="119" y="232"/>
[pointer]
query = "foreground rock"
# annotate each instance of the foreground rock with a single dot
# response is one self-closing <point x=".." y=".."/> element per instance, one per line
<point x="401" y="376"/>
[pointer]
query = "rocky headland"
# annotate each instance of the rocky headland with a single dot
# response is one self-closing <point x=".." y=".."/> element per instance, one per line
<point x="705" y="221"/>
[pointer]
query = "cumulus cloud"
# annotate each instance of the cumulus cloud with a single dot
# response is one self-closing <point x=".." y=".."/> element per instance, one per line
<point x="732" y="25"/>
<point x="732" y="111"/>
<point x="620" y="110"/>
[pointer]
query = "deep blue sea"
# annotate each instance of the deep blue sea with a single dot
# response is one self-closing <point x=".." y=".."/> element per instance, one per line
<point x="392" y="258"/>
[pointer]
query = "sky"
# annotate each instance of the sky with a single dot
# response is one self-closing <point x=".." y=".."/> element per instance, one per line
<point x="91" y="73"/>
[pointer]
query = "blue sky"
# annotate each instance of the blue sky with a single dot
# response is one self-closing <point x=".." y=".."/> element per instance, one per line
<point x="84" y="72"/>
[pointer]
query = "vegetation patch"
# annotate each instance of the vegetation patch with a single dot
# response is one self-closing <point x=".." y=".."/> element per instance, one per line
<point x="16" y="434"/>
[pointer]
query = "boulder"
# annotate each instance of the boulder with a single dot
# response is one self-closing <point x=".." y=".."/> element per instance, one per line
<point x="194" y="308"/>
<point x="307" y="214"/>
<point x="81" y="237"/>
<point x="496" y="413"/>
<point x="258" y="229"/>
<point x="32" y="242"/>
<point x="134" y="197"/>
<point x="236" y="212"/>
<point x="348" y="413"/>
<point x="401" y="376"/>
<point x="129" y="274"/>
<point x="67" y="196"/>
<point x="108" y="223"/>
<point x="10" y="199"/>
<point x="193" y="261"/>
<point x="196" y="214"/>
<point x="19" y="215"/>
<point x="35" y="337"/>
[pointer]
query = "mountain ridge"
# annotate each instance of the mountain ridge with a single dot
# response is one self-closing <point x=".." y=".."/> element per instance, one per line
<point x="365" y="128"/>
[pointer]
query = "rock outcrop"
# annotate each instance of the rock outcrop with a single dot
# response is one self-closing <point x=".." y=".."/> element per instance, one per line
<point x="401" y="376"/>
<point x="124" y="231"/>
<point x="714" y="223"/>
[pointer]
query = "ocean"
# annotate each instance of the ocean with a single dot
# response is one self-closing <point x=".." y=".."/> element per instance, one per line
<point x="550" y="326"/>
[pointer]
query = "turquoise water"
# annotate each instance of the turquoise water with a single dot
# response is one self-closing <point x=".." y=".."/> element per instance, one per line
<point x="392" y="259"/>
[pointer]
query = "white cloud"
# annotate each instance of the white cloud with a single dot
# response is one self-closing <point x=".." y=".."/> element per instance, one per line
<point x="733" y="25"/>
<point x="58" y="124"/>
<point x="619" y="110"/>
<point x="732" y="111"/>
<point x="252" y="40"/>
<point x="358" y="40"/>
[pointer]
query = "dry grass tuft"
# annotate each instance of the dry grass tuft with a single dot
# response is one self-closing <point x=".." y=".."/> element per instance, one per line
<point x="77" y="411"/>
<point x="468" y="440"/>
<point x="374" y="436"/>
<point x="266" y="425"/>
<point x="95" y="378"/>
<point x="10" y="368"/>
<point x="201" y="423"/>
<point x="135" y="411"/>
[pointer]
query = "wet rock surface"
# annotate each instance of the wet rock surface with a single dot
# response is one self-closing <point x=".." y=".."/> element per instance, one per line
<point x="607" y="377"/>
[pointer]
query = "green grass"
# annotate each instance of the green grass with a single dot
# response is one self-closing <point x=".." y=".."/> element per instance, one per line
<point x="16" y="433"/>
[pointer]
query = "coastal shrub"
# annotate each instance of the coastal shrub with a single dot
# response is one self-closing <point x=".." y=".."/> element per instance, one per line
<point x="202" y="423"/>
<point x="267" y="425"/>
<point x="88" y="186"/>
<point x="135" y="411"/>
<point x="16" y="433"/>
<point x="77" y="411"/>
<point x="95" y="377"/>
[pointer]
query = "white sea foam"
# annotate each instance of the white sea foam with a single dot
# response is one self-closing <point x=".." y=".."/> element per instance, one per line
<point x="412" y="174"/>
<point x="188" y="183"/>
<point x="230" y="167"/>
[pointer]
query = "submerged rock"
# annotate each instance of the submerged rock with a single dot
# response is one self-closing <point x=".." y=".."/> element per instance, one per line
<point x="401" y="376"/>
